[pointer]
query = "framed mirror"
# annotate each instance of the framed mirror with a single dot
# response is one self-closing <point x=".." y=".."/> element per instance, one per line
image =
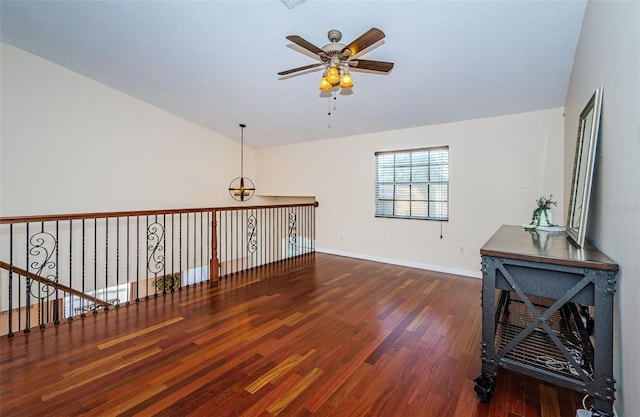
<point x="588" y="128"/>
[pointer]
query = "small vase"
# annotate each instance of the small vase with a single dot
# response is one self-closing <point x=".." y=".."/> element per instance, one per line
<point x="546" y="219"/>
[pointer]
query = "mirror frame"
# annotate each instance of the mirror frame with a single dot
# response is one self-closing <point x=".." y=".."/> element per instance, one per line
<point x="588" y="132"/>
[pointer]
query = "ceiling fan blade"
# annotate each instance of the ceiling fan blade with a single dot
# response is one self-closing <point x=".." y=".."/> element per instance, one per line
<point x="365" y="64"/>
<point x="306" y="45"/>
<point x="290" y="71"/>
<point x="365" y="40"/>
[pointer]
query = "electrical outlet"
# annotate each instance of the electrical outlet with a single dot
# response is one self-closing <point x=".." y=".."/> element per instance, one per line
<point x="461" y="248"/>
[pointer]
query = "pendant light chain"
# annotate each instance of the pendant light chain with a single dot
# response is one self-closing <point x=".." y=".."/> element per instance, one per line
<point x="242" y="126"/>
<point x="335" y="98"/>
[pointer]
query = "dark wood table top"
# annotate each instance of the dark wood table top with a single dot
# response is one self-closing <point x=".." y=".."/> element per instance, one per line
<point x="513" y="242"/>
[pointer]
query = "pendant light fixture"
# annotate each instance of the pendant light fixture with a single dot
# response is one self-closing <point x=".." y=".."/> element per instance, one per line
<point x="242" y="188"/>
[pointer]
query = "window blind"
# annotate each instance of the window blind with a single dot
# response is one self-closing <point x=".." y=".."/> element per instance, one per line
<point x="413" y="183"/>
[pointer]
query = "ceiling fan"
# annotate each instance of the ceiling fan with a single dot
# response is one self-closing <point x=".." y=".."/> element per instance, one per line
<point x="338" y="58"/>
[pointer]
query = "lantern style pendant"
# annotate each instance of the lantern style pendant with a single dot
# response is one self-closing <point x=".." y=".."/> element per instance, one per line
<point x="242" y="188"/>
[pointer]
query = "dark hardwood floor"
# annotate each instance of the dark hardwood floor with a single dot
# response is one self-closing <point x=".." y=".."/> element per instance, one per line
<point x="319" y="335"/>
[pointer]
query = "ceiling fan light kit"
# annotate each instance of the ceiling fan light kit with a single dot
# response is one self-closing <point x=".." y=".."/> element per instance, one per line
<point x="337" y="58"/>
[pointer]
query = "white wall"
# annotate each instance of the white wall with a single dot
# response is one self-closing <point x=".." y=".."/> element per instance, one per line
<point x="498" y="167"/>
<point x="70" y="144"/>
<point x="608" y="54"/>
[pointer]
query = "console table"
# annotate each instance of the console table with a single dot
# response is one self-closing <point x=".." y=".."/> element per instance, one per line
<point x="535" y="292"/>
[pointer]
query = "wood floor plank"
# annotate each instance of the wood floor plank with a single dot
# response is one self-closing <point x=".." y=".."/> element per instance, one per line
<point x="281" y="403"/>
<point x="130" y="336"/>
<point x="319" y="335"/>
<point x="100" y="372"/>
<point x="277" y="371"/>
<point x="549" y="401"/>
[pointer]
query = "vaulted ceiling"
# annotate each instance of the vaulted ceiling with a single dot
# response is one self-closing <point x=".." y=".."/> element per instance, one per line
<point x="216" y="62"/>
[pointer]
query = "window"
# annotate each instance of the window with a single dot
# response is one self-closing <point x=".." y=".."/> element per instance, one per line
<point x="413" y="183"/>
<point x="74" y="305"/>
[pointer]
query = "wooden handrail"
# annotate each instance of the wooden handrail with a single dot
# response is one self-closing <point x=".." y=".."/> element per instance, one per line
<point x="103" y="215"/>
<point x="30" y="275"/>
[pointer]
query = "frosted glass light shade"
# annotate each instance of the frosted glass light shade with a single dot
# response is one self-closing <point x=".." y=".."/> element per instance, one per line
<point x="333" y="75"/>
<point x="346" y="81"/>
<point x="324" y="84"/>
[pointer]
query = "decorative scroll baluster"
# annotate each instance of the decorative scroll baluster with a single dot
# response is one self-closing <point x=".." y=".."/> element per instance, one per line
<point x="252" y="225"/>
<point x="292" y="227"/>
<point x="42" y="247"/>
<point x="155" y="248"/>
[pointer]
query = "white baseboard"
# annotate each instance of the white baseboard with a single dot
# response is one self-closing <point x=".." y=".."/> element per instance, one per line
<point x="429" y="267"/>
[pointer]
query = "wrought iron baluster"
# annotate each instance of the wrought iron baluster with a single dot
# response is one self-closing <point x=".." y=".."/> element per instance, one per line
<point x="56" y="308"/>
<point x="292" y="228"/>
<point x="173" y="248"/>
<point x="128" y="260"/>
<point x="137" y="259"/>
<point x="117" y="302"/>
<point x="27" y="299"/>
<point x="209" y="247"/>
<point x="201" y="247"/>
<point x="84" y="291"/>
<point x="164" y="244"/>
<point x="70" y="311"/>
<point x="42" y="246"/>
<point x="192" y="245"/>
<point x="180" y="249"/>
<point x="187" y="240"/>
<point x="106" y="263"/>
<point x="252" y="225"/>
<point x="10" y="333"/>
<point x="155" y="251"/>
<point x="231" y="242"/>
<point x="95" y="263"/>
<point x="273" y="235"/>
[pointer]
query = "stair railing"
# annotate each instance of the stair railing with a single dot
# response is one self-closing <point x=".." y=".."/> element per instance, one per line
<point x="58" y="267"/>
